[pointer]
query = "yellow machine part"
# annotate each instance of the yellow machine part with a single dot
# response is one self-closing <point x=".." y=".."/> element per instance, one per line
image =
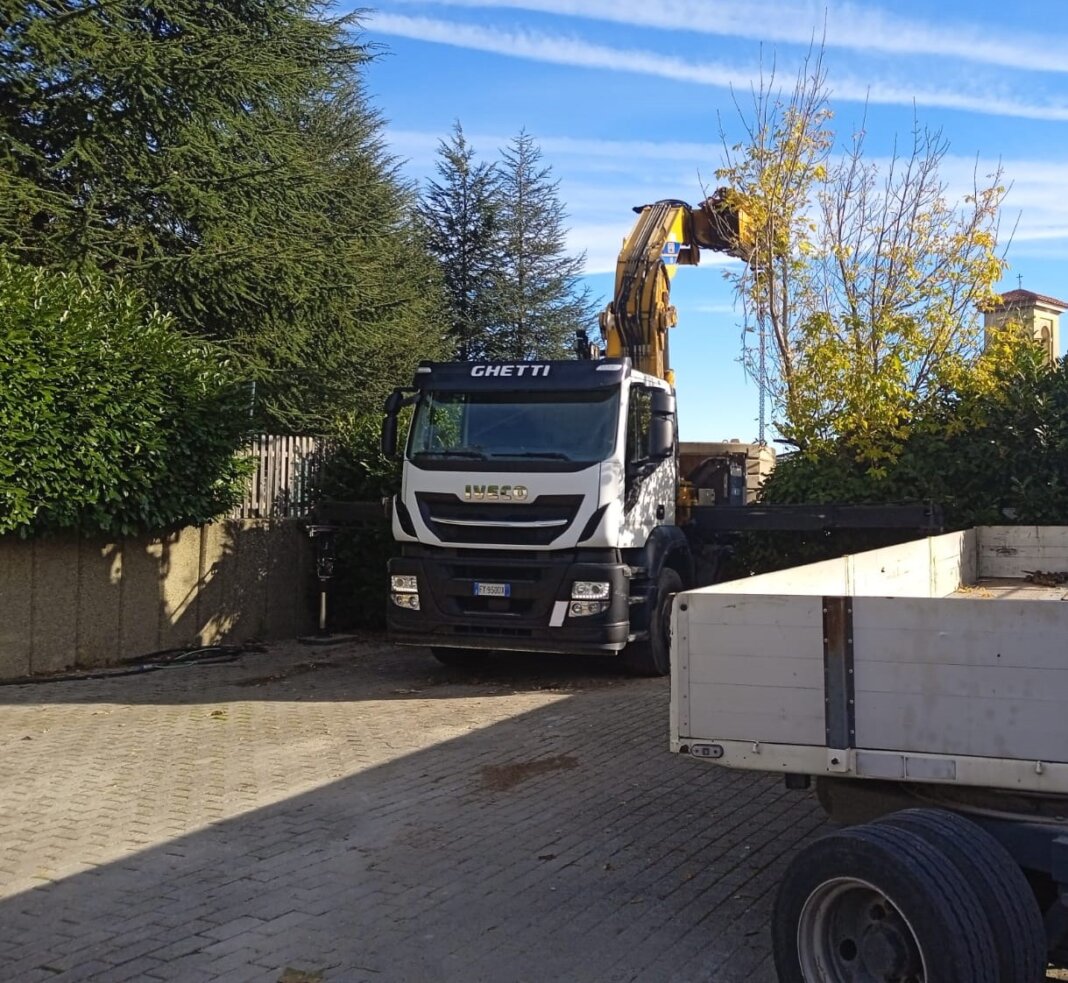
<point x="667" y="234"/>
<point x="685" y="500"/>
<point x="637" y="321"/>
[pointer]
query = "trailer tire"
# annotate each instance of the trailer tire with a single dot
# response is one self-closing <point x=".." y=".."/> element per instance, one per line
<point x="652" y="656"/>
<point x="880" y="901"/>
<point x="1018" y="930"/>
<point x="456" y="658"/>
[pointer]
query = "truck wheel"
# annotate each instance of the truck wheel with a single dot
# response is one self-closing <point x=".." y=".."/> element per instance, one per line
<point x="652" y="657"/>
<point x="875" y="904"/>
<point x="460" y="658"/>
<point x="1018" y="931"/>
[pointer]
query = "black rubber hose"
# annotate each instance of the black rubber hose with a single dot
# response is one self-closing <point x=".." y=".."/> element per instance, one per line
<point x="207" y="655"/>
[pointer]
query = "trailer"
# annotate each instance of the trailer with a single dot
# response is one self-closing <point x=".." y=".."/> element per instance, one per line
<point x="922" y="688"/>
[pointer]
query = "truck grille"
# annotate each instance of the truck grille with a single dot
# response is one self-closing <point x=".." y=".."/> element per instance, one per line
<point x="538" y="523"/>
<point x="494" y="631"/>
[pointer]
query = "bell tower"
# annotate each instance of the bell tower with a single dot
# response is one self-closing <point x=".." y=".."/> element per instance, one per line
<point x="1037" y="314"/>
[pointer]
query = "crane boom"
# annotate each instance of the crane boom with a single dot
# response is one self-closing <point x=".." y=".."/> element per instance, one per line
<point x="666" y="235"/>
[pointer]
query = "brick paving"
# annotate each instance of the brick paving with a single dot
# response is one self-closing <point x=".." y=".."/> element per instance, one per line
<point x="358" y="813"/>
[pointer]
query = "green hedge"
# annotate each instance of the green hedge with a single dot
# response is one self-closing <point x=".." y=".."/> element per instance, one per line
<point x="111" y="419"/>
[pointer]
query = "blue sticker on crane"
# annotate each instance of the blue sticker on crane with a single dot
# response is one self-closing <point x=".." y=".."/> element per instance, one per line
<point x="670" y="253"/>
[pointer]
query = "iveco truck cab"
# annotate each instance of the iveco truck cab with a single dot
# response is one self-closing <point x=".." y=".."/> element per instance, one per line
<point x="537" y="511"/>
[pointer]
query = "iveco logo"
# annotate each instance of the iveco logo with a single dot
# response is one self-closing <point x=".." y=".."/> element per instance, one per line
<point x="495" y="493"/>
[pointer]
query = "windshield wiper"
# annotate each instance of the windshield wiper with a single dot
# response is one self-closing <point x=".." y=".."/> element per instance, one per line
<point x="454" y="452"/>
<point x="548" y="455"/>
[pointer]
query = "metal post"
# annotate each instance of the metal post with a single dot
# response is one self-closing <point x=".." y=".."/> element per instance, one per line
<point x="763" y="380"/>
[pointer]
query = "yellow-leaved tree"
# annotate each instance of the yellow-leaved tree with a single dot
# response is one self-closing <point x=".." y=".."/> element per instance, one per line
<point x="866" y="280"/>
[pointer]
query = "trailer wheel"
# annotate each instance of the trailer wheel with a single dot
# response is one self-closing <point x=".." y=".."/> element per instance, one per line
<point x="460" y="658"/>
<point x="1018" y="931"/>
<point x="652" y="657"/>
<point x="875" y="904"/>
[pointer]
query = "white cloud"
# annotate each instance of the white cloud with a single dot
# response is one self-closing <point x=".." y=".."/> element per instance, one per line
<point x="600" y="241"/>
<point x="418" y="143"/>
<point x="599" y="204"/>
<point x="554" y="49"/>
<point x="573" y="51"/>
<point x="1036" y="196"/>
<point x="848" y="25"/>
<point x="633" y="149"/>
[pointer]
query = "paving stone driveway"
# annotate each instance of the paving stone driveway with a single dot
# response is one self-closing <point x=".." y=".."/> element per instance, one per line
<point x="358" y="813"/>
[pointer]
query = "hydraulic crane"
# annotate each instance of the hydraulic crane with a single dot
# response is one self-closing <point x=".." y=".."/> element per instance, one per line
<point x="667" y="234"/>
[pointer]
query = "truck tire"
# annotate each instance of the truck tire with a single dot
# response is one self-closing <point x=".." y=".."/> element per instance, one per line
<point x="1002" y="888"/>
<point x="460" y="658"/>
<point x="652" y="656"/>
<point x="877" y="903"/>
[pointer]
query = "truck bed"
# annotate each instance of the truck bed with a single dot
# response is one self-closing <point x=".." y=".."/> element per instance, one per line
<point x="932" y="661"/>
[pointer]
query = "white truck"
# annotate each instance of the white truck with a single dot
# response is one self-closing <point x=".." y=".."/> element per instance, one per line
<point x="923" y="687"/>
<point x="537" y="511"/>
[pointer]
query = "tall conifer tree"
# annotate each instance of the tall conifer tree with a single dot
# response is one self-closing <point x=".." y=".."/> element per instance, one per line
<point x="224" y="158"/>
<point x="460" y="211"/>
<point x="540" y="299"/>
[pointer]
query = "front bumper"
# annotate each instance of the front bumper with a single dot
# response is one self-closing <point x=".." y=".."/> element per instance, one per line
<point x="533" y="618"/>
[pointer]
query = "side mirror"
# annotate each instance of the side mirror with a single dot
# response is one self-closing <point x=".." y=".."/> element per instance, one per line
<point x="394" y="401"/>
<point x="662" y="402"/>
<point x="661" y="438"/>
<point x="662" y="424"/>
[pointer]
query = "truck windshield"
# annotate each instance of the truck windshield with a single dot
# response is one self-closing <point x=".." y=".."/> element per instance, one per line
<point x="560" y="426"/>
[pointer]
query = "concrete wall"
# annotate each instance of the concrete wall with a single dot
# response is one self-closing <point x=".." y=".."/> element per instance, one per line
<point x="934" y="566"/>
<point x="69" y="602"/>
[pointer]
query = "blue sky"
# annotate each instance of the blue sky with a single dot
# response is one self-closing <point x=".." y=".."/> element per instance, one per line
<point x="628" y="98"/>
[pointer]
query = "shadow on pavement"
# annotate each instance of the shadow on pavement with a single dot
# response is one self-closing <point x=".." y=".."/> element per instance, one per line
<point x="562" y="844"/>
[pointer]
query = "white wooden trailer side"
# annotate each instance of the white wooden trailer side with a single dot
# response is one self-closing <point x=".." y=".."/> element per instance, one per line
<point x="949" y="681"/>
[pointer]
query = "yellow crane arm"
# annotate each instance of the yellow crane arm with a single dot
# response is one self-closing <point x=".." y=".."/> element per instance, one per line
<point x="667" y="234"/>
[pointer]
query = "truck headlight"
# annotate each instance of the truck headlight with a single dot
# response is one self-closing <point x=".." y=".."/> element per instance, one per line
<point x="590" y="590"/>
<point x="409" y="601"/>
<point x="405" y="583"/>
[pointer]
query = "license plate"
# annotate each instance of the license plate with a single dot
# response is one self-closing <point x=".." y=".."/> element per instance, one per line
<point x="492" y="590"/>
